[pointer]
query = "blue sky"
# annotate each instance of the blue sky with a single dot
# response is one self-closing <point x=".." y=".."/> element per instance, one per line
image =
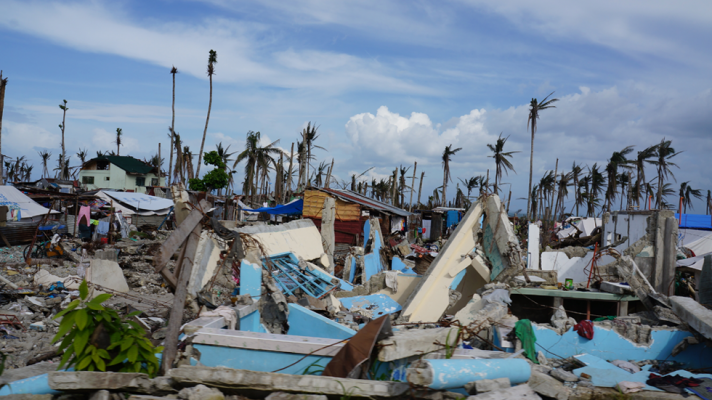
<point x="388" y="82"/>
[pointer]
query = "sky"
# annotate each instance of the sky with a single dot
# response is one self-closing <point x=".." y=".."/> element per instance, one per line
<point x="387" y="82"/>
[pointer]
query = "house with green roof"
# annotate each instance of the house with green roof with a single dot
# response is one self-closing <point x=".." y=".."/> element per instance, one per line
<point x="119" y="173"/>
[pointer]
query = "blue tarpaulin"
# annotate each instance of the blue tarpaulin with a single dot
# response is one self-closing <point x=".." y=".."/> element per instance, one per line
<point x="695" y="221"/>
<point x="453" y="217"/>
<point x="285" y="209"/>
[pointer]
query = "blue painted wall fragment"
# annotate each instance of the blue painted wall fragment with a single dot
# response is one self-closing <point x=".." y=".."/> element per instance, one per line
<point x="458" y="279"/>
<point x="259" y="360"/>
<point x="609" y="345"/>
<point x="372" y="261"/>
<point x="379" y="304"/>
<point x="366" y="232"/>
<point x="492" y="252"/>
<point x="304" y="322"/>
<point x="352" y="273"/>
<point x="251" y="279"/>
<point x="453" y="217"/>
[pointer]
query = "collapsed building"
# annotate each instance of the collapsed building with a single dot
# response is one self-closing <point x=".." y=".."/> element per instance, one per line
<point x="350" y="302"/>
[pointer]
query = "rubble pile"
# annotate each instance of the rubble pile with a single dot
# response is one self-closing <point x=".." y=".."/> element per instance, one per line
<point x="259" y="310"/>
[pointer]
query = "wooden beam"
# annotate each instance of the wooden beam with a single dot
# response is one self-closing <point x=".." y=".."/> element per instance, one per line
<point x="176" y="317"/>
<point x="174" y="241"/>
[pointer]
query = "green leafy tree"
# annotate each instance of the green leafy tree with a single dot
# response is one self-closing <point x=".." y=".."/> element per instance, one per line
<point x="84" y="320"/>
<point x="215" y="179"/>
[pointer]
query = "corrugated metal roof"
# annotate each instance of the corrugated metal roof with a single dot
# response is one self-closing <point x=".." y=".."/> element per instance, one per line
<point x="367" y="202"/>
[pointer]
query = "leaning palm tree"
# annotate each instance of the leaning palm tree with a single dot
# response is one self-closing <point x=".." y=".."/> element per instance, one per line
<point x="534" y="108"/>
<point x="447" y="153"/>
<point x="471" y="184"/>
<point x="664" y="153"/>
<point x="309" y="136"/>
<point x="212" y="60"/>
<point x="644" y="156"/>
<point x="502" y="164"/>
<point x="618" y="160"/>
<point x="174" y="71"/>
<point x="598" y="181"/>
<point x="687" y="193"/>
<point x="3" y="84"/>
<point x="249" y="154"/>
<point x="45" y="155"/>
<point x="575" y="172"/>
<point x="119" y="133"/>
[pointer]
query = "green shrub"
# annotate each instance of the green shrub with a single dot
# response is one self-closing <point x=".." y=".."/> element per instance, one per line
<point x="85" y="322"/>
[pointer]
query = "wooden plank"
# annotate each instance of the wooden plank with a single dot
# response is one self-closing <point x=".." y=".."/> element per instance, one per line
<point x="268" y="342"/>
<point x="4" y="239"/>
<point x="176" y="317"/>
<point x="174" y="241"/>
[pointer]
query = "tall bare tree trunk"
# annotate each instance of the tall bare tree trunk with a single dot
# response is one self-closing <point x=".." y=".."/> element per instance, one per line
<point x="328" y="174"/>
<point x="412" y="186"/>
<point x="531" y="170"/>
<point x="205" y="131"/>
<point x="289" y="173"/>
<point x="174" y="70"/>
<point x="3" y="84"/>
<point x="446" y="171"/>
<point x="420" y="188"/>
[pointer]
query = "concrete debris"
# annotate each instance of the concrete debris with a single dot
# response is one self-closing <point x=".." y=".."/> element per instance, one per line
<point x="487" y="385"/>
<point x="265" y="306"/>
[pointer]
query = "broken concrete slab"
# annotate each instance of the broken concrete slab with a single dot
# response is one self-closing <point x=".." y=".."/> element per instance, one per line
<point x="694" y="314"/>
<point x="107" y="274"/>
<point x="487" y="385"/>
<point x="616" y="288"/>
<point x="406" y="284"/>
<point x="414" y="342"/>
<point x="431" y="297"/>
<point x="207" y="260"/>
<point x="563" y="375"/>
<point x="91" y="381"/>
<point x="328" y="217"/>
<point x="520" y="392"/>
<point x="294" y="396"/>
<point x="200" y="392"/>
<point x="548" y="386"/>
<point x="12" y="375"/>
<point x="243" y="381"/>
<point x="300" y="237"/>
<point x="500" y="243"/>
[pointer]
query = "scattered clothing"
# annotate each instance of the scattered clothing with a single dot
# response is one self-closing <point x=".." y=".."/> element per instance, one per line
<point x="673" y="383"/>
<point x="704" y="391"/>
<point x="84" y="215"/>
<point x="628" y="366"/>
<point x="102" y="228"/>
<point x="525" y="333"/>
<point x="584" y="329"/>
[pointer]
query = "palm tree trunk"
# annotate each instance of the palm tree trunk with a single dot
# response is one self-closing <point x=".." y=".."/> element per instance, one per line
<point x="173" y="126"/>
<point x="446" y="171"/>
<point x="412" y="186"/>
<point x="660" y="188"/>
<point x="420" y="188"/>
<point x="531" y="170"/>
<point x="289" y="173"/>
<point x="205" y="131"/>
<point x="3" y="83"/>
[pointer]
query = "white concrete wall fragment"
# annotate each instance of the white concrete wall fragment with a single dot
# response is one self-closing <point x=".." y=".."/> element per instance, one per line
<point x="299" y="237"/>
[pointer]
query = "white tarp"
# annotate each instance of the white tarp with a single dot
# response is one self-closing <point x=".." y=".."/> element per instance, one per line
<point x="585" y="225"/>
<point x="696" y="240"/>
<point x="11" y="197"/>
<point x="141" y="204"/>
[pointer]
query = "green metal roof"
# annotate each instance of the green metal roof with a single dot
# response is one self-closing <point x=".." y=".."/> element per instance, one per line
<point x="128" y="164"/>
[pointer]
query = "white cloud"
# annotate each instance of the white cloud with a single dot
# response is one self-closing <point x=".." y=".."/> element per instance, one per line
<point x="27" y="139"/>
<point x="585" y="128"/>
<point x="243" y="55"/>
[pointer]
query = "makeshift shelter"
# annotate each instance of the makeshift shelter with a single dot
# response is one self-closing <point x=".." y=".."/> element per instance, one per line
<point x="138" y="208"/>
<point x="21" y="216"/>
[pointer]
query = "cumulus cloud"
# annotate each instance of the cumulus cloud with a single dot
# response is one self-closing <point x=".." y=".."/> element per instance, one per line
<point x="585" y="127"/>
<point x="391" y="138"/>
<point x="26" y="139"/>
